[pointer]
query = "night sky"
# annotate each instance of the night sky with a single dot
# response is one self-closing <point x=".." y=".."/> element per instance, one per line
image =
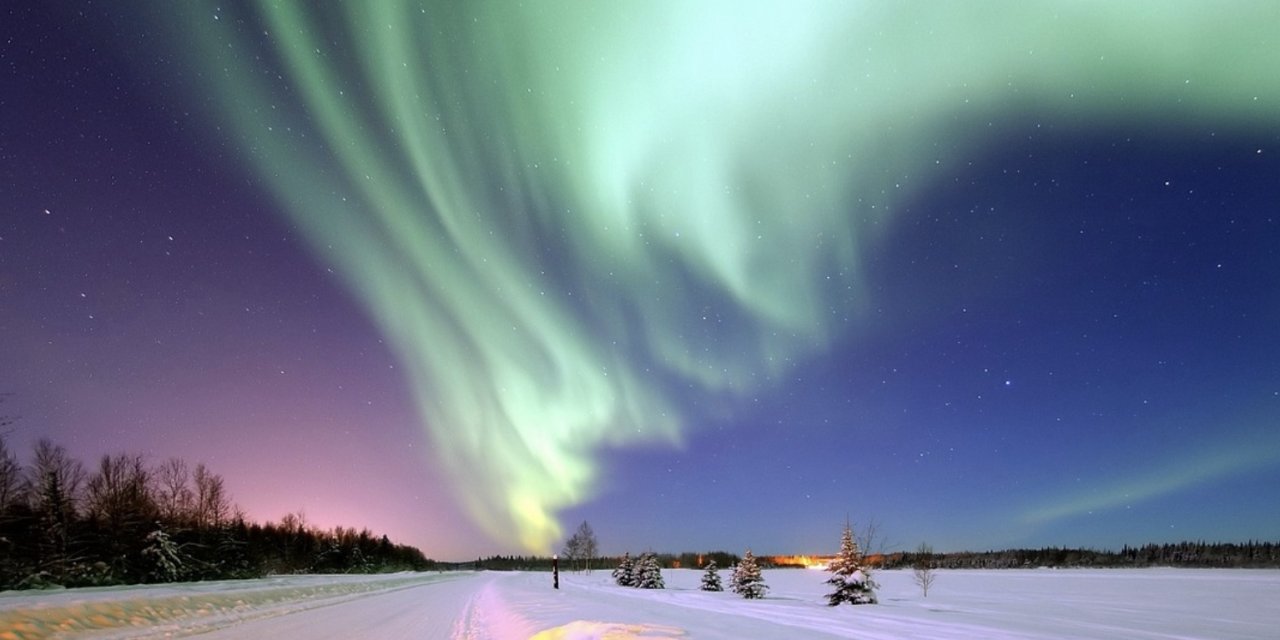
<point x="707" y="275"/>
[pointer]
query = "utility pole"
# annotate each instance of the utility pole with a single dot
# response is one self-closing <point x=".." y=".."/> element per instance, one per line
<point x="555" y="571"/>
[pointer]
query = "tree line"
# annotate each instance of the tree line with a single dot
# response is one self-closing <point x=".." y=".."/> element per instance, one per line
<point x="125" y="521"/>
<point x="1253" y="554"/>
<point x="688" y="560"/>
<point x="850" y="574"/>
<point x="1247" y="555"/>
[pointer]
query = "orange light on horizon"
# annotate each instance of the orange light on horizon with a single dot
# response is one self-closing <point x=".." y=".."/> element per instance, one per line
<point x="806" y="561"/>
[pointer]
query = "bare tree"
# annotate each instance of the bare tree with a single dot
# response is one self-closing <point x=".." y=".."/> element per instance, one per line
<point x="924" y="567"/>
<point x="590" y="547"/>
<point x="581" y="547"/>
<point x="118" y="502"/>
<point x="11" y="496"/>
<point x="5" y="420"/>
<point x="118" y="493"/>
<point x="54" y="483"/>
<point x="56" y="479"/>
<point x="174" y="498"/>
<point x="872" y="541"/>
<point x="294" y="522"/>
<point x="294" y="526"/>
<point x="10" y="470"/>
<point x="10" y="478"/>
<point x="213" y="508"/>
<point x="572" y="548"/>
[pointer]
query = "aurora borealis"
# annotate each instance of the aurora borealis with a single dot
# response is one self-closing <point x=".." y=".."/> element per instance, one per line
<point x="981" y="271"/>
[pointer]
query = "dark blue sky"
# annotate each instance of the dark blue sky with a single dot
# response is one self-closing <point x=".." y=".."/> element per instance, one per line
<point x="1058" y="325"/>
<point x="1064" y="334"/>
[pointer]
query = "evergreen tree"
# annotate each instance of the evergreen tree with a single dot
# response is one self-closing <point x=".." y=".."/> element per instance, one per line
<point x="850" y="575"/>
<point x="164" y="556"/>
<point x="711" y="579"/>
<point x="748" y="582"/>
<point x="622" y="574"/>
<point x="637" y="570"/>
<point x="650" y="573"/>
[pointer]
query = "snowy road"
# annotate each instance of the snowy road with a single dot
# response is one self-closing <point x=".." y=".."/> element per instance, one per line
<point x="1115" y="604"/>
<point x="421" y="610"/>
<point x="294" y="606"/>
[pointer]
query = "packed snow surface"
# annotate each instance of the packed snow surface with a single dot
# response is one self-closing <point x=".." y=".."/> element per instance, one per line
<point x="1115" y="604"/>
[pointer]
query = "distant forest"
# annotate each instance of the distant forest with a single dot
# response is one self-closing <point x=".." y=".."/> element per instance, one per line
<point x="126" y="522"/>
<point x="1247" y="555"/>
<point x="687" y="560"/>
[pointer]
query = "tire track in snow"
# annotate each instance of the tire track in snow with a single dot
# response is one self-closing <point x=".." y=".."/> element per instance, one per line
<point x="184" y="608"/>
<point x="488" y="616"/>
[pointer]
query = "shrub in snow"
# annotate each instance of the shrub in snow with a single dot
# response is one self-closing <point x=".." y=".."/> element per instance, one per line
<point x="850" y="575"/>
<point x="163" y="555"/>
<point x="622" y="574"/>
<point x="747" y="580"/>
<point x="711" y="579"/>
<point x="923" y="568"/>
<point x="650" y="573"/>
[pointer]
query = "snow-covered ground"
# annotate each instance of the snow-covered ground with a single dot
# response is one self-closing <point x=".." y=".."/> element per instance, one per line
<point x="1121" y="603"/>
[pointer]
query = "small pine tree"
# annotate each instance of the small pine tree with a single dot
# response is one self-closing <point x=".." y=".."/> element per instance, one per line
<point x="748" y="582"/>
<point x="850" y="575"/>
<point x="637" y="570"/>
<point x="164" y="556"/>
<point x="711" y="579"/>
<point x="650" y="573"/>
<point x="622" y="574"/>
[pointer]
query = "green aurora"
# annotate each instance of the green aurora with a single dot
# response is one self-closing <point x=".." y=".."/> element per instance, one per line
<point x="561" y="212"/>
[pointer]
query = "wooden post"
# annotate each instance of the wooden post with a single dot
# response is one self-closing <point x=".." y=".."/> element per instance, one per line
<point x="555" y="571"/>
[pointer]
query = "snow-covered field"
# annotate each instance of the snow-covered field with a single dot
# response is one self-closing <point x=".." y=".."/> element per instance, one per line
<point x="1113" y="604"/>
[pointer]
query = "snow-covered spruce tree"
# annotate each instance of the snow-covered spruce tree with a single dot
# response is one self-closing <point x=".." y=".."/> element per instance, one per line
<point x="850" y="574"/>
<point x="637" y="569"/>
<point x="650" y="573"/>
<point x="747" y="579"/>
<point x="711" y="579"/>
<point x="622" y="574"/>
<point x="163" y="555"/>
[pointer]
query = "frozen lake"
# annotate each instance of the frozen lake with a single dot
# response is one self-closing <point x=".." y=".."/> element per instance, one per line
<point x="1044" y="603"/>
